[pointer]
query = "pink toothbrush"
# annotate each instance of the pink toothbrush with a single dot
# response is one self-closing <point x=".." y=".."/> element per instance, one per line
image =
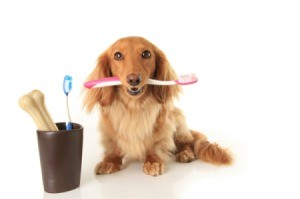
<point x="113" y="81"/>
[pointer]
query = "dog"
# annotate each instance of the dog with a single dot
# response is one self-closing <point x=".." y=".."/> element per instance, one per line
<point x="140" y="121"/>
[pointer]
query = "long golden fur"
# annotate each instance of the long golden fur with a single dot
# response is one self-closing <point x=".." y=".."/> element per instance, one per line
<point x="140" y="121"/>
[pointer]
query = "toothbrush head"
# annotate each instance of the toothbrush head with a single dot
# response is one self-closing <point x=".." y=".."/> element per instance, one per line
<point x="187" y="79"/>
<point x="67" y="84"/>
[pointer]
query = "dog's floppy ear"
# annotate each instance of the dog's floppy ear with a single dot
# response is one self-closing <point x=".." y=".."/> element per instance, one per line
<point x="99" y="96"/>
<point x="164" y="71"/>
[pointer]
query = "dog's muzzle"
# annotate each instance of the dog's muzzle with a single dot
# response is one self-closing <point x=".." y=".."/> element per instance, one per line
<point x="134" y="91"/>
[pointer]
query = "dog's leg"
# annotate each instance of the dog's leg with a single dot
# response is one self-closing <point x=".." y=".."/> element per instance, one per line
<point x="191" y="145"/>
<point x="184" y="148"/>
<point x="112" y="161"/>
<point x="153" y="165"/>
<point x="161" y="149"/>
<point x="111" y="164"/>
<point x="183" y="139"/>
<point x="162" y="146"/>
<point x="184" y="153"/>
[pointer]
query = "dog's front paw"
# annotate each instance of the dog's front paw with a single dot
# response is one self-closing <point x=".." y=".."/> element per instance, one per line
<point x="153" y="168"/>
<point x="186" y="155"/>
<point x="107" y="168"/>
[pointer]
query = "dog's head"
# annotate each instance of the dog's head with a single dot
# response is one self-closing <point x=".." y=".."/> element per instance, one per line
<point x="134" y="60"/>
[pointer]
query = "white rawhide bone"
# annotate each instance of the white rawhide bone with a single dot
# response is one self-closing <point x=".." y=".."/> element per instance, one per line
<point x="34" y="104"/>
<point x="39" y="98"/>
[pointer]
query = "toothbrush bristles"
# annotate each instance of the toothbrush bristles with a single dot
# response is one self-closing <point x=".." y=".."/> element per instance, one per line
<point x="187" y="78"/>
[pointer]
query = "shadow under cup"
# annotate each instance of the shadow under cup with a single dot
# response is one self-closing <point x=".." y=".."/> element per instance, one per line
<point x="60" y="157"/>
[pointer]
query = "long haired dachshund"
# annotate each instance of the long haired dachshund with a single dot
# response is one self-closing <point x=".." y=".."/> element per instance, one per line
<point x="140" y="121"/>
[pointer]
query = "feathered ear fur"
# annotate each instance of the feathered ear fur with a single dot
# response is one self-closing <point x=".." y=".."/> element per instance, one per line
<point x="99" y="96"/>
<point x="164" y="72"/>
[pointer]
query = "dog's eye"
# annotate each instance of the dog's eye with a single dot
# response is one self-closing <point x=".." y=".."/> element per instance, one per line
<point x="118" y="56"/>
<point x="146" y="54"/>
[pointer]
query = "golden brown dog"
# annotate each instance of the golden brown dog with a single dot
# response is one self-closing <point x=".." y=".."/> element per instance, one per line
<point x="139" y="121"/>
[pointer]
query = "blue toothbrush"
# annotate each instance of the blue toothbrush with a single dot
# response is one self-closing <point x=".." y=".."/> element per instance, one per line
<point x="67" y="85"/>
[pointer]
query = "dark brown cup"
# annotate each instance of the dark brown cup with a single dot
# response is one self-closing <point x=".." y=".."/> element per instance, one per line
<point x="60" y="156"/>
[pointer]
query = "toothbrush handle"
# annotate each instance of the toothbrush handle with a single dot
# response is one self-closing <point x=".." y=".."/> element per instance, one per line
<point x="107" y="81"/>
<point x="68" y="123"/>
<point x="68" y="126"/>
<point x="159" y="82"/>
<point x="104" y="84"/>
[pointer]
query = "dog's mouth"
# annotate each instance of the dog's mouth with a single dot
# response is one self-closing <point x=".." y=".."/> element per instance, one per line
<point x="134" y="91"/>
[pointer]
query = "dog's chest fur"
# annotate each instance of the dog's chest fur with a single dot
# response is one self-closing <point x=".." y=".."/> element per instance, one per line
<point x="134" y="124"/>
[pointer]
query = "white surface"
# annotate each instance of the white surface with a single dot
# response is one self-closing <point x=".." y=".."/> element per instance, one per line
<point x="245" y="54"/>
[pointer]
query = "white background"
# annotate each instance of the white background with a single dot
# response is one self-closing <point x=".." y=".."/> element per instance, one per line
<point x="245" y="53"/>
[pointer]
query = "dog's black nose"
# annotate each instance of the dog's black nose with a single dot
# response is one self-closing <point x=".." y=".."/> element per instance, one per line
<point x="134" y="79"/>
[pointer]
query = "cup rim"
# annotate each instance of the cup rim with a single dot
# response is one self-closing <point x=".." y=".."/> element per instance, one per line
<point x="58" y="124"/>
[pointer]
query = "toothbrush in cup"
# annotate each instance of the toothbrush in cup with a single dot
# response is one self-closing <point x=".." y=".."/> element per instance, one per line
<point x="113" y="81"/>
<point x="67" y="86"/>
